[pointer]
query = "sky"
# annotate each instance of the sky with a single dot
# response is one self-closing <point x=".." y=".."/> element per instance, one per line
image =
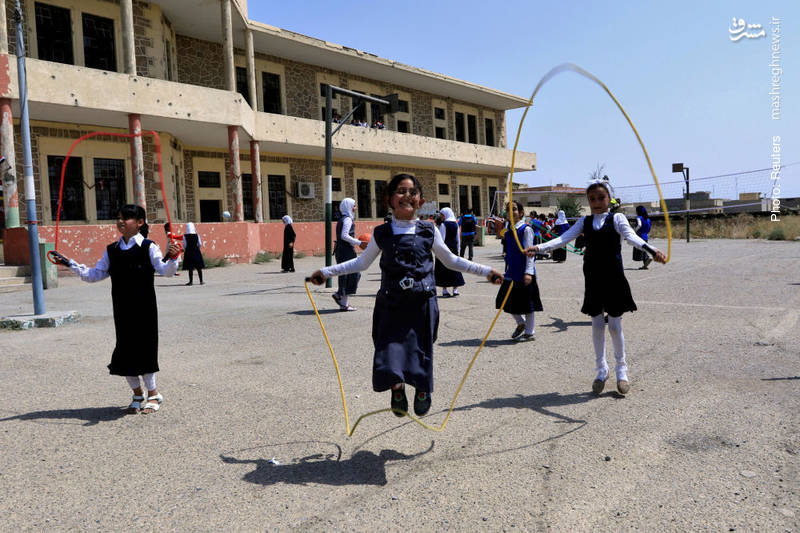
<point x="695" y="95"/>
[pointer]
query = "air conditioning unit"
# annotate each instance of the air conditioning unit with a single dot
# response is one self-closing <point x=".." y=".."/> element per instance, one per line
<point x="304" y="189"/>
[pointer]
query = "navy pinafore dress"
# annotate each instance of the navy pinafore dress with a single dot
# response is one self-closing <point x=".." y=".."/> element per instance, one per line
<point x="406" y="318"/>
<point x="344" y="251"/>
<point x="444" y="276"/>
<point x="523" y="299"/>
<point x="133" y="298"/>
<point x="606" y="290"/>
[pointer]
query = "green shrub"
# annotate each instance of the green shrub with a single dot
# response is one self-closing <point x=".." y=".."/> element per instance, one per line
<point x="299" y="255"/>
<point x="777" y="234"/>
<point x="264" y="257"/>
<point x="214" y="262"/>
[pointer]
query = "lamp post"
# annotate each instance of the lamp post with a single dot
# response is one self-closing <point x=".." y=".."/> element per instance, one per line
<point x="678" y="167"/>
<point x="390" y="105"/>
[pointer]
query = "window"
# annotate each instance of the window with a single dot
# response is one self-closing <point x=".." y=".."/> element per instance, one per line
<point x="402" y="106"/>
<point x="210" y="211"/>
<point x="336" y="184"/>
<point x="377" y="110"/>
<point x="438" y="113"/>
<point x="178" y="196"/>
<point x="402" y="126"/>
<point x="489" y="126"/>
<point x="72" y="206"/>
<point x="98" y="43"/>
<point x="323" y="91"/>
<point x="463" y="197"/>
<point x="440" y="133"/>
<point x="476" y="201"/>
<point x="168" y="54"/>
<point x="360" y="113"/>
<point x="208" y="180"/>
<point x="444" y="188"/>
<point x="109" y="187"/>
<point x="442" y="205"/>
<point x="364" y="199"/>
<point x="247" y="196"/>
<point x="460" y="137"/>
<point x="242" y="85"/>
<point x="271" y="85"/>
<point x="381" y="207"/>
<point x="472" y="128"/>
<point x="54" y="33"/>
<point x="276" y="189"/>
<point x="492" y="198"/>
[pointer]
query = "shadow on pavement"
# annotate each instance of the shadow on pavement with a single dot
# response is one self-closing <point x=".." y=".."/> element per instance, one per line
<point x="92" y="415"/>
<point x="560" y="325"/>
<point x="363" y="468"/>
<point x="537" y="402"/>
<point x="781" y="379"/>
<point x="490" y="343"/>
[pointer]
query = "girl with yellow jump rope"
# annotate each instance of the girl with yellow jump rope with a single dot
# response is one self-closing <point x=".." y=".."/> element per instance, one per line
<point x="607" y="290"/>
<point x="406" y="317"/>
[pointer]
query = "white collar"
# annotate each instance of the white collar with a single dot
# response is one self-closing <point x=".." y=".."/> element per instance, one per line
<point x="136" y="239"/>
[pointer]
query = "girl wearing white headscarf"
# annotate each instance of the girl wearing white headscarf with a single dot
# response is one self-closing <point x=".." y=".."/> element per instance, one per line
<point x="345" y="250"/>
<point x="192" y="258"/>
<point x="561" y="226"/>
<point x="289" y="236"/>
<point x="444" y="276"/>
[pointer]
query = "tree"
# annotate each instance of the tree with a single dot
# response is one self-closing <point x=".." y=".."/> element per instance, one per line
<point x="570" y="206"/>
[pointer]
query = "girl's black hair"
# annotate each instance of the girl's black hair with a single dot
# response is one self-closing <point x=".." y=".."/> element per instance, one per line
<point x="642" y="212"/>
<point x="520" y="212"/>
<point x="395" y="183"/>
<point x="594" y="186"/>
<point x="136" y="212"/>
<point x="133" y="211"/>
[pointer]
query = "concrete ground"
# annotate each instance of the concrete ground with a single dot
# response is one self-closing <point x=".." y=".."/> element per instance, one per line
<point x="707" y="439"/>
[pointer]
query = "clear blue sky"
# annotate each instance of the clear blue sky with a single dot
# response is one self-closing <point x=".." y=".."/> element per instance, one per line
<point x="695" y="96"/>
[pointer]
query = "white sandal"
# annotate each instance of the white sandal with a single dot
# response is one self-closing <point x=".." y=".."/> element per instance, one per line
<point x="136" y="404"/>
<point x="154" y="403"/>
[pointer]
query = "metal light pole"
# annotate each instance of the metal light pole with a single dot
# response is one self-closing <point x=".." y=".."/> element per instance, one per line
<point x="678" y="167"/>
<point x="391" y="102"/>
<point x="27" y="171"/>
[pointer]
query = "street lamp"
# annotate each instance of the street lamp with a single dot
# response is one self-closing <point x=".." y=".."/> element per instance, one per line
<point x="678" y="167"/>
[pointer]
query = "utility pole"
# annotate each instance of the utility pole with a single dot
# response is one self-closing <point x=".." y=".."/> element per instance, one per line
<point x="27" y="171"/>
<point x="392" y="106"/>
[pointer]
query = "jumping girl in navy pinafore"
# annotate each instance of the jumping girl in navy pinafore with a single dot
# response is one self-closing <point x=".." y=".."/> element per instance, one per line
<point x="607" y="290"/>
<point x="406" y="317"/>
<point x="524" y="298"/>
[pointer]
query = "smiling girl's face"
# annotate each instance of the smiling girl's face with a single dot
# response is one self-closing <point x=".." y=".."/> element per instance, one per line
<point x="405" y="200"/>
<point x="128" y="227"/>
<point x="598" y="200"/>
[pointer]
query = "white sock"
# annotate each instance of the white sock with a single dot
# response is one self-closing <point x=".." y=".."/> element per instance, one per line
<point x="529" y="323"/>
<point x="444" y="292"/>
<point x="133" y="381"/>
<point x="599" y="340"/>
<point x="519" y="318"/>
<point x="343" y="300"/>
<point x="455" y="290"/>
<point x="615" y="330"/>
<point x="150" y="381"/>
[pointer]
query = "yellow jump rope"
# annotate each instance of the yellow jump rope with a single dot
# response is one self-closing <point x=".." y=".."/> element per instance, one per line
<point x="545" y="79"/>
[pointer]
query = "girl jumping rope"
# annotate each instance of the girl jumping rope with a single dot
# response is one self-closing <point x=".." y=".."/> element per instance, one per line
<point x="607" y="290"/>
<point x="132" y="262"/>
<point x="406" y="317"/>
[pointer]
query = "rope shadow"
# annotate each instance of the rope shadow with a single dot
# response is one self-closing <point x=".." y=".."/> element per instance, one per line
<point x="491" y="343"/>
<point x="363" y="468"/>
<point x="283" y="290"/>
<point x="788" y="378"/>
<point x="560" y="325"/>
<point x="537" y="402"/>
<point x="92" y="415"/>
<point x="307" y="312"/>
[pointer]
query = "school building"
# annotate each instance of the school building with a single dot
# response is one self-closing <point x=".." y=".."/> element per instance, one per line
<point x="238" y="106"/>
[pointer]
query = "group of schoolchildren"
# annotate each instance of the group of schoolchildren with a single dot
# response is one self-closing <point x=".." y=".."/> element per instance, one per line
<point x="406" y="314"/>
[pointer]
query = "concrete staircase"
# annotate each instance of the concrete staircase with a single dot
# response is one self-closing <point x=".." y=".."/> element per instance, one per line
<point x="14" y="278"/>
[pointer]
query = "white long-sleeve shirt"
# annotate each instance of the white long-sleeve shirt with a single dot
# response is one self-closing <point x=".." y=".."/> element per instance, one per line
<point x="621" y="225"/>
<point x="347" y="223"/>
<point x="100" y="270"/>
<point x="406" y="227"/>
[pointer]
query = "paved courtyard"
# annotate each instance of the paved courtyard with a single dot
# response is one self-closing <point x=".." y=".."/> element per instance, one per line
<point x="708" y="438"/>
